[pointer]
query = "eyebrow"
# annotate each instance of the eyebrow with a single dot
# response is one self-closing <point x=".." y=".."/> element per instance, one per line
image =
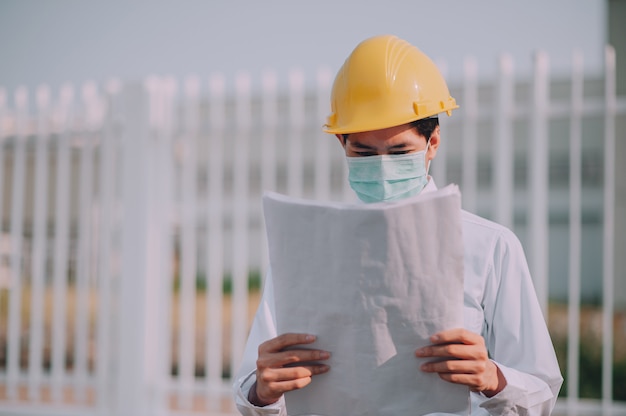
<point x="361" y="145"/>
<point x="364" y="146"/>
<point x="399" y="146"/>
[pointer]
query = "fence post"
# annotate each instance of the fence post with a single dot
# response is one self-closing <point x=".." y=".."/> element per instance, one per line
<point x="162" y="92"/>
<point x="215" y="234"/>
<point x="188" y="240"/>
<point x="608" y="266"/>
<point x="322" y="145"/>
<point x="503" y="143"/>
<point x="105" y="238"/>
<point x="17" y="217"/>
<point x="575" y="230"/>
<point x="439" y="169"/>
<point x="60" y="253"/>
<point x="4" y="278"/>
<point x="538" y="155"/>
<point x="84" y="241"/>
<point x="296" y="127"/>
<point x="136" y="375"/>
<point x="35" y="353"/>
<point x="240" y="242"/>
<point x="470" y="134"/>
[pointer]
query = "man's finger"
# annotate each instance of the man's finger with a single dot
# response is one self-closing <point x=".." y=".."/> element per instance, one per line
<point x="278" y="388"/>
<point x="294" y="373"/>
<point x="457" y="335"/>
<point x="301" y="355"/>
<point x="474" y="382"/>
<point x="284" y="341"/>
<point x="290" y="358"/>
<point x="454" y="366"/>
<point x="458" y="351"/>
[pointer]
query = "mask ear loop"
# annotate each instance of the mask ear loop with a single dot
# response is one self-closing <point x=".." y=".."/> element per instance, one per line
<point x="427" y="162"/>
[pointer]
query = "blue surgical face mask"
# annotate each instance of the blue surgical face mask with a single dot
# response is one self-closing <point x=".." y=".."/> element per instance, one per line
<point x="388" y="177"/>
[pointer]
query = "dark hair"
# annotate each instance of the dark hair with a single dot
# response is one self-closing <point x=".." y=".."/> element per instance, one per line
<point x="424" y="127"/>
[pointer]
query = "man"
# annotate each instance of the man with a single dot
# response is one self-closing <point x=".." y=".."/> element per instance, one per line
<point x="385" y="101"/>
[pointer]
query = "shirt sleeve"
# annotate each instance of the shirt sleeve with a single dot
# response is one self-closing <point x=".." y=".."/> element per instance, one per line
<point x="263" y="328"/>
<point x="517" y="336"/>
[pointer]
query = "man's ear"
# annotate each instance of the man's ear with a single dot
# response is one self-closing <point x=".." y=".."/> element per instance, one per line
<point x="435" y="141"/>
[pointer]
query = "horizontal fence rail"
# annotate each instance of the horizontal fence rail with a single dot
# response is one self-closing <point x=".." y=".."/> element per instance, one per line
<point x="132" y="245"/>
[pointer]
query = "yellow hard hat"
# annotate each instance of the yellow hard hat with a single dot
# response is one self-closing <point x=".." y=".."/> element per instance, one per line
<point x="386" y="82"/>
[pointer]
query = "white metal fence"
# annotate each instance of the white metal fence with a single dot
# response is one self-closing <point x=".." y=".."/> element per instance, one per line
<point x="131" y="224"/>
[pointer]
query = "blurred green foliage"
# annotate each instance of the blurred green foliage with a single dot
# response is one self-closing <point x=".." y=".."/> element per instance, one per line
<point x="590" y="369"/>
<point x="254" y="282"/>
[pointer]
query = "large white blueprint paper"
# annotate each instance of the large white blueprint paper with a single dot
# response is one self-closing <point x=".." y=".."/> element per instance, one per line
<point x="373" y="282"/>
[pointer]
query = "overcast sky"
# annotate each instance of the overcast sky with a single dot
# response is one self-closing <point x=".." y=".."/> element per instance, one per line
<point x="78" y="40"/>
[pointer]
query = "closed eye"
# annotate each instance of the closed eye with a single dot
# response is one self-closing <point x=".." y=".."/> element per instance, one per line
<point x="365" y="154"/>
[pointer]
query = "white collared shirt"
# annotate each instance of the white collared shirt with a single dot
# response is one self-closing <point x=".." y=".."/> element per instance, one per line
<point x="499" y="303"/>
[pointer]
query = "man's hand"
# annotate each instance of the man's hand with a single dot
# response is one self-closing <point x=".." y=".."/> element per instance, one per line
<point x="279" y="371"/>
<point x="465" y="361"/>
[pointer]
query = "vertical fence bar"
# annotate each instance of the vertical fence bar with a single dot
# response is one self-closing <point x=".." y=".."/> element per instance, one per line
<point x="215" y="232"/>
<point x="131" y="393"/>
<point x="4" y="278"/>
<point x="4" y="275"/>
<point x="608" y="259"/>
<point x="158" y="293"/>
<point x="240" y="260"/>
<point x="188" y="255"/>
<point x="106" y="205"/>
<point x="35" y="352"/>
<point x="469" y="140"/>
<point x="503" y="137"/>
<point x="17" y="226"/>
<point x="439" y="168"/>
<point x="346" y="192"/>
<point x="83" y="246"/>
<point x="61" y="243"/>
<point x="539" y="180"/>
<point x="322" y="156"/>
<point x="95" y="122"/>
<point x="90" y="134"/>
<point x="269" y="117"/>
<point x="575" y="224"/>
<point x="296" y="161"/>
<point x="163" y="100"/>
